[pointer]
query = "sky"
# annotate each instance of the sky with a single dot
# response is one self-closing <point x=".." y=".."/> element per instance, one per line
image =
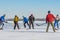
<point x="38" y="8"/>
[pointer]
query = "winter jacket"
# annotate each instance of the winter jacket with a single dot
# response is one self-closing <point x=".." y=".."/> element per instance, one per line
<point x="25" y="20"/>
<point x="31" y="18"/>
<point x="2" y="18"/>
<point x="16" y="19"/>
<point x="50" y="18"/>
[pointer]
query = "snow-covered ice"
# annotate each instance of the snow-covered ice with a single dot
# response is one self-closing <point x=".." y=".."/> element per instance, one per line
<point x="39" y="33"/>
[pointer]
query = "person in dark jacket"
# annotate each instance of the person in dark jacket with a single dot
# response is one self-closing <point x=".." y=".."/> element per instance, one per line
<point x="31" y="20"/>
<point x="25" y="21"/>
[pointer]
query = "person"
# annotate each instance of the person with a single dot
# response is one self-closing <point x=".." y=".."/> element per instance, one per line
<point x="56" y="22"/>
<point x="49" y="20"/>
<point x="16" y="19"/>
<point x="31" y="21"/>
<point x="25" y="20"/>
<point x="2" y="20"/>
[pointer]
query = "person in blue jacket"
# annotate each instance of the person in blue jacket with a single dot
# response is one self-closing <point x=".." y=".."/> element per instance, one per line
<point x="2" y="20"/>
<point x="25" y="20"/>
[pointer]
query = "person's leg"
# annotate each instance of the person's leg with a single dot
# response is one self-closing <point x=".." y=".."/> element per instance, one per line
<point x="57" y="25"/>
<point x="47" y="26"/>
<point x="53" y="26"/>
<point x="17" y="25"/>
<point x="24" y="25"/>
<point x="14" y="25"/>
<point x="28" y="25"/>
<point x="2" y="25"/>
<point x="32" y="25"/>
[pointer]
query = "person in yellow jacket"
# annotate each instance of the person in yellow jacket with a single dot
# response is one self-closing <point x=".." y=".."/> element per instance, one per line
<point x="16" y="19"/>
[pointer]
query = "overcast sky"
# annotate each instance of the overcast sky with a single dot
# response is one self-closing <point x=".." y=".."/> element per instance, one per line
<point x="26" y="7"/>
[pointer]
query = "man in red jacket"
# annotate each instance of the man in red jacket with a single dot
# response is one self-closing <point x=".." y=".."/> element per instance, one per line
<point x="49" y="19"/>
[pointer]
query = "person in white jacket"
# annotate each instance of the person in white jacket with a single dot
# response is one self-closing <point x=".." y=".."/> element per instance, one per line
<point x="56" y="23"/>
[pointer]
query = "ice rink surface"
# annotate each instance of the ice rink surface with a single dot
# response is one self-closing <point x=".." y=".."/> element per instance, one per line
<point x="39" y="33"/>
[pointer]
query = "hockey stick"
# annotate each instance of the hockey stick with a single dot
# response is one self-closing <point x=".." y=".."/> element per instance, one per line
<point x="40" y="24"/>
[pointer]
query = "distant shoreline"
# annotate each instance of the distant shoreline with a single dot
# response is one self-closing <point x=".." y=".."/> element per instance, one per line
<point x="42" y="19"/>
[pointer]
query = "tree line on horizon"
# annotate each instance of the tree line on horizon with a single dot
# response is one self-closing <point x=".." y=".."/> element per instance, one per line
<point x="37" y="19"/>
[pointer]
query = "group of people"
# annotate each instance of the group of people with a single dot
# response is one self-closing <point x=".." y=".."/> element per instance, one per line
<point x="50" y="19"/>
<point x="29" y="21"/>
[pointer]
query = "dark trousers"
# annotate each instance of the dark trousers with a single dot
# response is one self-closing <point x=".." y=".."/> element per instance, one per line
<point x="56" y="23"/>
<point x="27" y="24"/>
<point x="31" y="23"/>
<point x="52" y="24"/>
<point x="16" y="24"/>
<point x="1" y="23"/>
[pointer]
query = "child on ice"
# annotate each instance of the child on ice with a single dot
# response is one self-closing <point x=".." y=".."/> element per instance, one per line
<point x="56" y="22"/>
